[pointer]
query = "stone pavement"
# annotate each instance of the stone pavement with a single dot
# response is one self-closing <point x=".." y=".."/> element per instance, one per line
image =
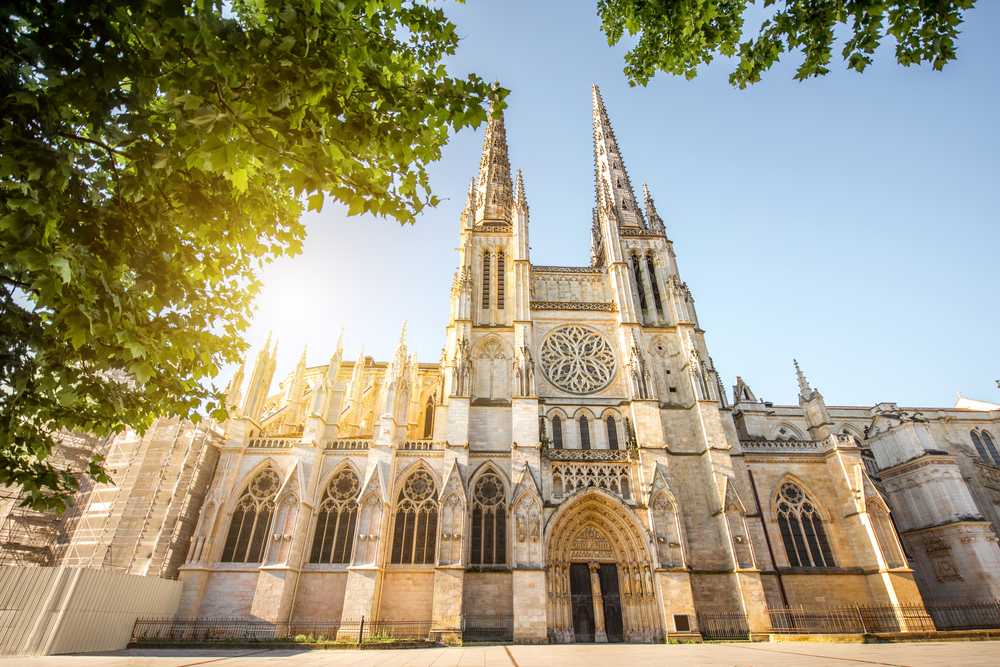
<point x="579" y="655"/>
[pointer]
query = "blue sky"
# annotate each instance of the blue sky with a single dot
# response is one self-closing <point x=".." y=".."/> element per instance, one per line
<point x="849" y="221"/>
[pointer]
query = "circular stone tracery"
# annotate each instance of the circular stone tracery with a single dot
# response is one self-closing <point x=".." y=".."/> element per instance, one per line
<point x="577" y="360"/>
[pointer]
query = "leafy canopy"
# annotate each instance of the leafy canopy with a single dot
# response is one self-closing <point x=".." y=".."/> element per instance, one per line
<point x="155" y="154"/>
<point x="677" y="36"/>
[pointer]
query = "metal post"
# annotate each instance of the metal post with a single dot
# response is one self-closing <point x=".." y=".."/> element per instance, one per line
<point x="361" y="631"/>
<point x="861" y="617"/>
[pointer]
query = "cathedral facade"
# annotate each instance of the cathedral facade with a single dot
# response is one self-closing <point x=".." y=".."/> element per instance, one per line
<point x="571" y="462"/>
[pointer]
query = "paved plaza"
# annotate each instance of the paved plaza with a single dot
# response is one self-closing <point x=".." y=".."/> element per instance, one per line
<point x="580" y="655"/>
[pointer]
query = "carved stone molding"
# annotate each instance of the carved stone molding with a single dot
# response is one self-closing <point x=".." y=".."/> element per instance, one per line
<point x="596" y="306"/>
<point x="560" y="454"/>
<point x="565" y="269"/>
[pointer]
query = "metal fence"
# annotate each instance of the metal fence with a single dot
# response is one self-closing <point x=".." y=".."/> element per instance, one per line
<point x="729" y="624"/>
<point x="725" y="624"/>
<point x="714" y="624"/>
<point x="886" y="618"/>
<point x="152" y="630"/>
<point x="486" y="628"/>
<point x="966" y="616"/>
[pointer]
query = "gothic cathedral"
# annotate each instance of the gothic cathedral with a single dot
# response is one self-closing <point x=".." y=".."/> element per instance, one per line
<point x="572" y="461"/>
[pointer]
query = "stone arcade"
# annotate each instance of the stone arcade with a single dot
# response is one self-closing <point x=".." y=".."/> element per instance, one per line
<point x="571" y="462"/>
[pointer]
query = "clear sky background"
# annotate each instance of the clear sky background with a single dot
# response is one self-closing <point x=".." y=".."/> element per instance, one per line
<point x="850" y="221"/>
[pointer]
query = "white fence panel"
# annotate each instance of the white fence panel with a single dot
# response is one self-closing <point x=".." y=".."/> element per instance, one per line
<point x="46" y="610"/>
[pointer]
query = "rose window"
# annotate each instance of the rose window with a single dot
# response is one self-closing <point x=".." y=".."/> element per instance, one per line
<point x="577" y="360"/>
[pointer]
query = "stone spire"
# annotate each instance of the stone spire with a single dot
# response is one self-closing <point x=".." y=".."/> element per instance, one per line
<point x="609" y="167"/>
<point x="324" y="391"/>
<point x="812" y="403"/>
<point x="494" y="189"/>
<point x="233" y="392"/>
<point x="805" y="391"/>
<point x="468" y="214"/>
<point x="520" y="198"/>
<point x="652" y="216"/>
<point x="260" y="380"/>
<point x="520" y="220"/>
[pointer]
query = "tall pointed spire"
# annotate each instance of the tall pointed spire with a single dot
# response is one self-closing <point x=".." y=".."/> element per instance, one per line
<point x="805" y="391"/>
<point x="260" y="380"/>
<point x="494" y="188"/>
<point x="234" y="391"/>
<point x="520" y="198"/>
<point x="609" y="166"/>
<point x="652" y="216"/>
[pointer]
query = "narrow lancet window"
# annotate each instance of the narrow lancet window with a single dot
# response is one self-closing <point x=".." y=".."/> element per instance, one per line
<point x="501" y="278"/>
<point x="612" y="433"/>
<point x="584" y="432"/>
<point x="486" y="280"/>
<point x="429" y="419"/>
<point x="557" y="432"/>
<point x="637" y="274"/>
<point x="654" y="286"/>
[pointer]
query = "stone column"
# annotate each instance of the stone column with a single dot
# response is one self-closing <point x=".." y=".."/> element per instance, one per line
<point x="600" y="635"/>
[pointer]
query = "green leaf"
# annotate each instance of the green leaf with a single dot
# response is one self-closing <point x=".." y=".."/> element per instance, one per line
<point x="61" y="265"/>
<point x="239" y="180"/>
<point x="316" y="202"/>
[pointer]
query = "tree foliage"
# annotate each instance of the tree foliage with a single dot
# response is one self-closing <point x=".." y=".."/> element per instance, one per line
<point x="677" y="36"/>
<point x="155" y="154"/>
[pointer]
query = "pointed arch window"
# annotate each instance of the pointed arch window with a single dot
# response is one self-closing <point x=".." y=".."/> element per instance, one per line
<point x="501" y="278"/>
<point x="612" y="432"/>
<point x="415" y="528"/>
<point x="488" y="545"/>
<point x="429" y="418"/>
<point x="336" y="520"/>
<point x="653" y="284"/>
<point x="584" y="432"/>
<point x="985" y="447"/>
<point x="486" y="280"/>
<point x="251" y="522"/>
<point x="802" y="530"/>
<point x="637" y="274"/>
<point x="557" y="441"/>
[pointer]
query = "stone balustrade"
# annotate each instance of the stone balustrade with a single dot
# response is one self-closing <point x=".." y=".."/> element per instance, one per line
<point x="422" y="445"/>
<point x="783" y="446"/>
<point x="273" y="443"/>
<point x="347" y="444"/>
<point x="561" y="454"/>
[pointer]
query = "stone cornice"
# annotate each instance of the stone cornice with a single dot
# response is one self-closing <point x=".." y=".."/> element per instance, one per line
<point x="916" y="463"/>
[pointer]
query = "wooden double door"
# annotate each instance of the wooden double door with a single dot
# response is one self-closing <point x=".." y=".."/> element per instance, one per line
<point x="597" y="607"/>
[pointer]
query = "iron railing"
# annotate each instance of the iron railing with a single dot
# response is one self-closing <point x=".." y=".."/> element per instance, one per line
<point x="714" y="624"/>
<point x="154" y="630"/>
<point x="488" y="628"/>
<point x="966" y="616"/>
<point x="723" y="625"/>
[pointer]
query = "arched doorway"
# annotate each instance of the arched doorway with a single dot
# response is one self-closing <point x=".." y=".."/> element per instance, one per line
<point x="600" y="575"/>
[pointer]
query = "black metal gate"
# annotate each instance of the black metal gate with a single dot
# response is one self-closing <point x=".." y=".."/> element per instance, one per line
<point x="725" y="625"/>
